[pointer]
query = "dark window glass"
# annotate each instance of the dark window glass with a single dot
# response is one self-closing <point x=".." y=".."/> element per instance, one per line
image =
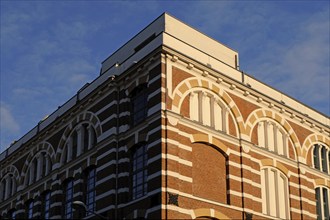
<point x="324" y="159"/>
<point x="86" y="137"/>
<point x="139" y="104"/>
<point x="46" y="205"/>
<point x="140" y="173"/>
<point x="90" y="191"/>
<point x="68" y="200"/>
<point x="30" y="209"/>
<point x="325" y="204"/>
<point x="74" y="144"/>
<point x="318" y="203"/>
<point x="316" y="156"/>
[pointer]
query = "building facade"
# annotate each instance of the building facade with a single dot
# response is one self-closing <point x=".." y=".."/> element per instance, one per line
<point x="171" y="129"/>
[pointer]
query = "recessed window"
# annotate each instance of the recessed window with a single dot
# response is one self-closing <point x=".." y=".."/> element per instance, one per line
<point x="139" y="171"/>
<point x="139" y="102"/>
<point x="30" y="205"/>
<point x="275" y="199"/>
<point x="90" y="190"/>
<point x="208" y="110"/>
<point x="68" y="212"/>
<point x="322" y="203"/>
<point x="46" y="205"/>
<point x="321" y="158"/>
<point x="273" y="137"/>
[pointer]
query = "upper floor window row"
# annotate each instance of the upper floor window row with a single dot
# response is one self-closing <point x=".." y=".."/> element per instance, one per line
<point x="82" y="139"/>
<point x="273" y="137"/>
<point x="208" y="110"/>
<point x="321" y="156"/>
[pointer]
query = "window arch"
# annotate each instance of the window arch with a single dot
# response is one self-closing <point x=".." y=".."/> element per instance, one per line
<point x="273" y="137"/>
<point x="7" y="186"/>
<point x="321" y="158"/>
<point x="208" y="109"/>
<point x="81" y="139"/>
<point x="40" y="166"/>
<point x="275" y="193"/>
<point x="139" y="170"/>
<point x="322" y="197"/>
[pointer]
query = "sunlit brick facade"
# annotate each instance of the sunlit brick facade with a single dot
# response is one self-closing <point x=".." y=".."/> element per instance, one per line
<point x="171" y="129"/>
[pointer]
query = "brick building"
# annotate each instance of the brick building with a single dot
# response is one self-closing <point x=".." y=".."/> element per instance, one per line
<point x="171" y="129"/>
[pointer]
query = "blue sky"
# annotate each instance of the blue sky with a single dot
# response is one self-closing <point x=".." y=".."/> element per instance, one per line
<point x="50" y="49"/>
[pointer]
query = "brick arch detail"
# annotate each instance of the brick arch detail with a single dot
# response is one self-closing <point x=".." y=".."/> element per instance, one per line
<point x="139" y="81"/>
<point x="83" y="117"/>
<point x="208" y="138"/>
<point x="11" y="169"/>
<point x="260" y="114"/>
<point x="276" y="164"/>
<point x="321" y="182"/>
<point x="183" y="88"/>
<point x="311" y="140"/>
<point x="207" y="212"/>
<point x="42" y="147"/>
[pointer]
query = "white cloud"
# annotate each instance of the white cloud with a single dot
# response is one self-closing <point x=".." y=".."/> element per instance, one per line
<point x="7" y="120"/>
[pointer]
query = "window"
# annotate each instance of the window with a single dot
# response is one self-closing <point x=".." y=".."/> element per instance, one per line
<point x="208" y="110"/>
<point x="275" y="200"/>
<point x="7" y="187"/>
<point x="30" y="205"/>
<point x="139" y="102"/>
<point x="321" y="158"/>
<point x="81" y="140"/>
<point x="322" y="203"/>
<point x="68" y="200"/>
<point x="46" y="205"/>
<point x="140" y="173"/>
<point x="272" y="137"/>
<point x="90" y="190"/>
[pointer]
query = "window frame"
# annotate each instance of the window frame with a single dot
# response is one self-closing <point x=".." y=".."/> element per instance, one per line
<point x="139" y="104"/>
<point x="90" y="190"/>
<point x="268" y="199"/>
<point x="46" y="204"/>
<point x="322" y="195"/>
<point x="139" y="171"/>
<point x="321" y="158"/>
<point x="68" y="199"/>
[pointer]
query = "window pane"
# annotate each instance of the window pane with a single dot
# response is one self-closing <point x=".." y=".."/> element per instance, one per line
<point x="316" y="156"/>
<point x="324" y="159"/>
<point x="325" y="204"/>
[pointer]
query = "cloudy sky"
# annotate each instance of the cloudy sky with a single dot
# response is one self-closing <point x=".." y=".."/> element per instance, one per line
<point x="50" y="49"/>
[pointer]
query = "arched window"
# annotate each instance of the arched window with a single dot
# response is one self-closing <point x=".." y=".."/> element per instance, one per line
<point x="7" y="186"/>
<point x="139" y="104"/>
<point x="139" y="171"/>
<point x="275" y="193"/>
<point x="208" y="110"/>
<point x="321" y="158"/>
<point x="322" y="195"/>
<point x="81" y="139"/>
<point x="40" y="166"/>
<point x="273" y="137"/>
<point x="68" y="211"/>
